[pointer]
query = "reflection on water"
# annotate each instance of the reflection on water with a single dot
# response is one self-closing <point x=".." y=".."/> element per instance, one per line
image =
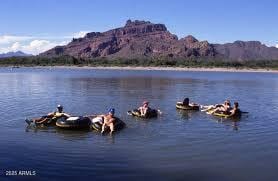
<point x="187" y="114"/>
<point x="233" y="123"/>
<point x="178" y="145"/>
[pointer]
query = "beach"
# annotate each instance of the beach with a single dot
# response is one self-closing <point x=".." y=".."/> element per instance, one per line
<point x="199" y="69"/>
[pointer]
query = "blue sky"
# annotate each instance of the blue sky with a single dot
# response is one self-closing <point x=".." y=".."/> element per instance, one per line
<point x="36" y="25"/>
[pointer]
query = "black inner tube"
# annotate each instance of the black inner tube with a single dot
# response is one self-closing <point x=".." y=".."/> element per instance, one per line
<point x="80" y="122"/>
<point x="119" y="124"/>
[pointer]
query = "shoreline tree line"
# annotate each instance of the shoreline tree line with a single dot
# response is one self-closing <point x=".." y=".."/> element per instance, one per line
<point x="145" y="62"/>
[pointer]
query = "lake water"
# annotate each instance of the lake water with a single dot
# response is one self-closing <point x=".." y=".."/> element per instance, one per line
<point x="177" y="145"/>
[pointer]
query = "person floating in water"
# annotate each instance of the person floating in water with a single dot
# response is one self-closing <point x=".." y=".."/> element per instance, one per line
<point x="144" y="108"/>
<point x="186" y="105"/>
<point x="109" y="121"/>
<point x="235" y="111"/>
<point x="218" y="107"/>
<point x="49" y="117"/>
<point x="186" y="102"/>
<point x="223" y="108"/>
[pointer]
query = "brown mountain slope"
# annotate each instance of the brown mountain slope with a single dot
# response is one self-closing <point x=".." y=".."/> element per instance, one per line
<point x="141" y="39"/>
<point x="135" y="39"/>
<point x="248" y="50"/>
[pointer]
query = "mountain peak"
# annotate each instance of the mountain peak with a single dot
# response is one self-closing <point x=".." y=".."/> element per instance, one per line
<point x="190" y="39"/>
<point x="143" y="26"/>
<point x="143" y="39"/>
<point x="136" y="23"/>
<point x="14" y="54"/>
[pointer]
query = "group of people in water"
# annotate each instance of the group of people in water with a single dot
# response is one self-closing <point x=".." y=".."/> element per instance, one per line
<point x="106" y="120"/>
<point x="109" y="119"/>
<point x="225" y="109"/>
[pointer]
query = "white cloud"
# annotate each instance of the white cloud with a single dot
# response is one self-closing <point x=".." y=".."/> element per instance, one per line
<point x="15" y="46"/>
<point x="34" y="47"/>
<point x="35" y="44"/>
<point x="80" y="34"/>
<point x="6" y="39"/>
<point x="277" y="46"/>
<point x="4" y="49"/>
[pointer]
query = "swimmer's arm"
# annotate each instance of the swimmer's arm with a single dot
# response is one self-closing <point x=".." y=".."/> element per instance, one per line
<point x="65" y="114"/>
<point x="232" y="113"/>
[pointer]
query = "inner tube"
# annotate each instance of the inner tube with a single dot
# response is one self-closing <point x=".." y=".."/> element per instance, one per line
<point x="222" y="115"/>
<point x="179" y="105"/>
<point x="119" y="124"/>
<point x="74" y="123"/>
<point x="152" y="113"/>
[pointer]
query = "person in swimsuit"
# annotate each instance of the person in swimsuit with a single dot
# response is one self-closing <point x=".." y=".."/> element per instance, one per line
<point x="144" y="108"/>
<point x="50" y="116"/>
<point x="109" y="121"/>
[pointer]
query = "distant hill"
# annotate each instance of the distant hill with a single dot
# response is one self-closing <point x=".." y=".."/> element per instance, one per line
<point x="14" y="54"/>
<point x="143" y="39"/>
<point x="246" y="50"/>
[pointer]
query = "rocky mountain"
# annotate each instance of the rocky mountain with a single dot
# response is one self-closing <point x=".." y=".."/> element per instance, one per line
<point x="14" y="54"/>
<point x="248" y="50"/>
<point x="143" y="39"/>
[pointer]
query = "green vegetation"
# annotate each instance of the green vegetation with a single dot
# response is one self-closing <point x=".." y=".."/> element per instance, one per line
<point x="155" y="62"/>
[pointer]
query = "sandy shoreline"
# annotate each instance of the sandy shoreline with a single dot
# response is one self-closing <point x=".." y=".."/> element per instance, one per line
<point x="198" y="69"/>
<point x="162" y="68"/>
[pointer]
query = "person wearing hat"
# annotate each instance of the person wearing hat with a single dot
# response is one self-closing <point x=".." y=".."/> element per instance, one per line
<point x="44" y="119"/>
<point x="109" y="120"/>
<point x="144" y="108"/>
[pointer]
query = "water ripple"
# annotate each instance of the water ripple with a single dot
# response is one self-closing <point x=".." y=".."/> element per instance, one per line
<point x="174" y="144"/>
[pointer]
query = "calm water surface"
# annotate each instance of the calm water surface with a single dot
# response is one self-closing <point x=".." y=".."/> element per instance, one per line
<point x="176" y="146"/>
